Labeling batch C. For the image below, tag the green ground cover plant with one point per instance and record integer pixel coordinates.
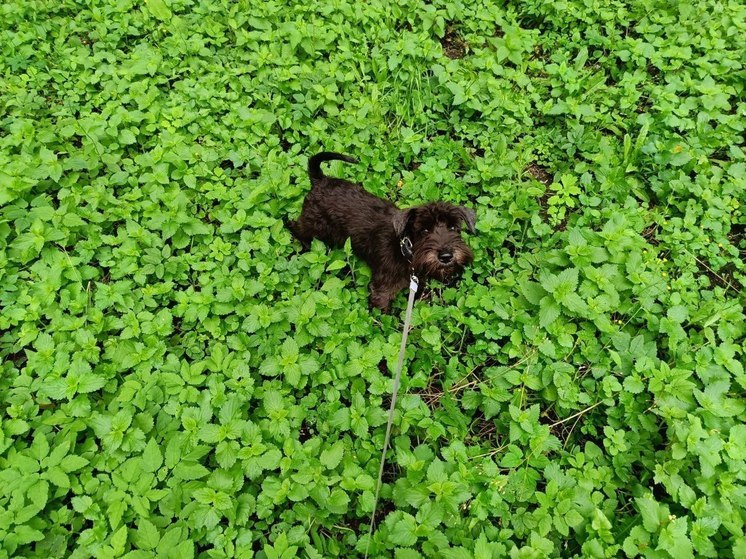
(179, 381)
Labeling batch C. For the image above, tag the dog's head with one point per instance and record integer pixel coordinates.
(434, 229)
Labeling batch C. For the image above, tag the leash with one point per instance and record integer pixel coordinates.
(413, 283)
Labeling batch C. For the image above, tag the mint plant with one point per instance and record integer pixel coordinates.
(178, 380)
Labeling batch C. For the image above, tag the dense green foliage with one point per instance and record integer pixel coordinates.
(179, 381)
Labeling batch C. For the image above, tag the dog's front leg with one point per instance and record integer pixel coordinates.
(383, 290)
(297, 231)
(422, 290)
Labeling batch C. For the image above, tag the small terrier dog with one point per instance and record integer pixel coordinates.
(423, 240)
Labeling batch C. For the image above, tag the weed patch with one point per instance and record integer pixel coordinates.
(178, 380)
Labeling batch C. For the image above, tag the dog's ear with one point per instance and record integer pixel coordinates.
(401, 220)
(469, 217)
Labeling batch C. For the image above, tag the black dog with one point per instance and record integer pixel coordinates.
(424, 240)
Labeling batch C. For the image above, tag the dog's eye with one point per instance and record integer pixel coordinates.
(453, 228)
(425, 231)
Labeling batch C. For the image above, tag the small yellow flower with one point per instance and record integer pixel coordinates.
(400, 183)
(664, 274)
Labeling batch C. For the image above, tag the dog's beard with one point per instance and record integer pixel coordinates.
(425, 261)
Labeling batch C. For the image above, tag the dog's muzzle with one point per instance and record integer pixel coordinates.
(445, 257)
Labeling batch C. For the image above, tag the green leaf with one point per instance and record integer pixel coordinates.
(119, 540)
(338, 501)
(210, 433)
(204, 495)
(81, 503)
(336, 265)
(562, 284)
(431, 335)
(736, 445)
(548, 312)
(90, 383)
(152, 459)
(147, 535)
(25, 535)
(482, 548)
(226, 454)
(678, 313)
(403, 532)
(38, 494)
(331, 457)
(138, 554)
(574, 303)
(512, 458)
(126, 136)
(406, 553)
(673, 539)
(533, 292)
(190, 470)
(649, 511)
(40, 447)
(634, 385)
(58, 477)
(458, 552)
(159, 9)
(56, 389)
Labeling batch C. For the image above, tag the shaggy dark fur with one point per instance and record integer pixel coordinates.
(337, 209)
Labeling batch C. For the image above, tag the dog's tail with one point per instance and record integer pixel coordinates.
(314, 163)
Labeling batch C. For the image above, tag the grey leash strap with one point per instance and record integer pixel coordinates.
(413, 283)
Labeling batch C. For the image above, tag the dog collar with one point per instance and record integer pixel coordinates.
(406, 247)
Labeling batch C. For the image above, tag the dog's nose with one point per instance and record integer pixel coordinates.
(445, 256)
